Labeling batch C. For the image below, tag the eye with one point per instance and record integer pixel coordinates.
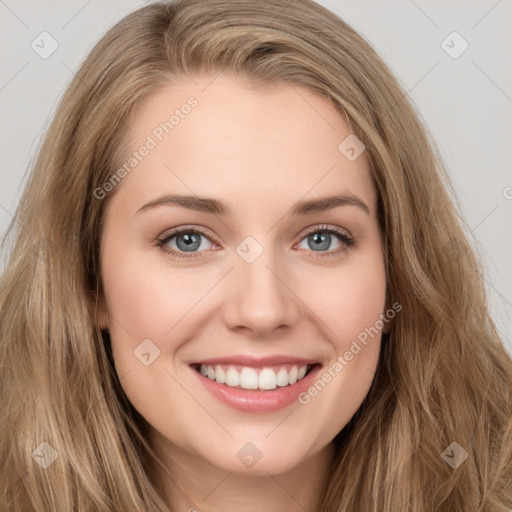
(320, 239)
(185, 240)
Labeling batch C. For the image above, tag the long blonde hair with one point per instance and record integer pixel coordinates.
(443, 374)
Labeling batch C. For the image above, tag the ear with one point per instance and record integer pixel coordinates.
(388, 326)
(390, 314)
(102, 316)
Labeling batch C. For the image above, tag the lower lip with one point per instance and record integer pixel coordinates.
(256, 401)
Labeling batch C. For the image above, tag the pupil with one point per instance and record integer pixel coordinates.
(321, 240)
(190, 241)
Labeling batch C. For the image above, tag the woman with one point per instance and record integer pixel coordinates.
(231, 289)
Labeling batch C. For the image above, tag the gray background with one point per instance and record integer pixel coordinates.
(466, 102)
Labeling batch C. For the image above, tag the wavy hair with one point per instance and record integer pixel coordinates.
(443, 375)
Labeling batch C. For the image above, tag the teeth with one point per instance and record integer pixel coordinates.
(232, 378)
(267, 379)
(220, 375)
(248, 378)
(282, 377)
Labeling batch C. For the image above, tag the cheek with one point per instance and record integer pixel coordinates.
(151, 301)
(146, 302)
(147, 299)
(348, 300)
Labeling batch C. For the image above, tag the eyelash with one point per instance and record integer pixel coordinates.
(345, 239)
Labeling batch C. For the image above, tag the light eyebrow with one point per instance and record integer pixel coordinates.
(323, 204)
(201, 204)
(214, 206)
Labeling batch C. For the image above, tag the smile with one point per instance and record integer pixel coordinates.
(246, 377)
(256, 385)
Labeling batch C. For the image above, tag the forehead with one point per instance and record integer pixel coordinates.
(218, 136)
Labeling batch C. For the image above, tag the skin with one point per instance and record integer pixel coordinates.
(260, 151)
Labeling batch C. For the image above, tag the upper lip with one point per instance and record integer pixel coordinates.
(256, 362)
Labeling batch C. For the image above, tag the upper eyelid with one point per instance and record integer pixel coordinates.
(179, 230)
(324, 227)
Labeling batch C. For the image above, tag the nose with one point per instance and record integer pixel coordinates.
(259, 298)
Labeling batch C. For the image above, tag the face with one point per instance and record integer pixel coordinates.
(234, 298)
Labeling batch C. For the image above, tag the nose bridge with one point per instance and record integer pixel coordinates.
(260, 298)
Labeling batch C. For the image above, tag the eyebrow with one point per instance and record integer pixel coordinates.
(214, 206)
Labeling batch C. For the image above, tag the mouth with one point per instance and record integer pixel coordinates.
(260, 387)
(265, 379)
